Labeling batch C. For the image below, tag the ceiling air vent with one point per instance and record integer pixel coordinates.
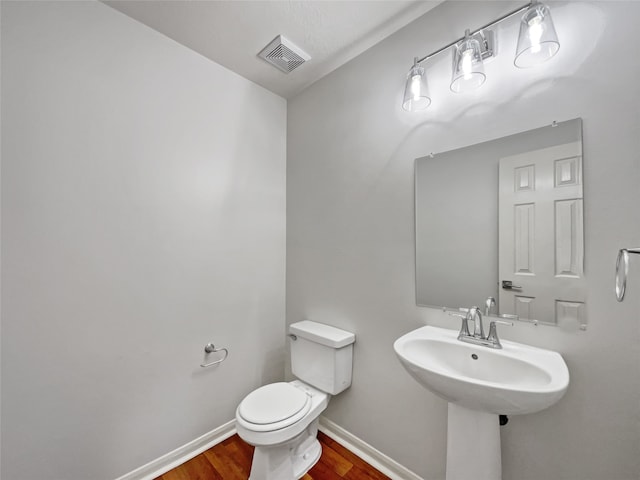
(283, 54)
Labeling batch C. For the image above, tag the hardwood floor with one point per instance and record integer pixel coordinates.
(231, 460)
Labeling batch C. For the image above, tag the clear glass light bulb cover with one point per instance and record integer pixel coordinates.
(468, 68)
(537, 41)
(416, 92)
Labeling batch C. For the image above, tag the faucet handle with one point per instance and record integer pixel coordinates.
(464, 327)
(492, 338)
(500, 322)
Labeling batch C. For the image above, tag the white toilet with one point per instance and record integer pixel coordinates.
(281, 419)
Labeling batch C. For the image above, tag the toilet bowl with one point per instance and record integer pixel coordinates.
(281, 419)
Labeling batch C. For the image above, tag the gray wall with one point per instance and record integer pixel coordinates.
(143, 215)
(350, 234)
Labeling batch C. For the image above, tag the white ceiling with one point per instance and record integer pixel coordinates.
(232, 32)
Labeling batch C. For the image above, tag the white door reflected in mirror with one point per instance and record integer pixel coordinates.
(541, 237)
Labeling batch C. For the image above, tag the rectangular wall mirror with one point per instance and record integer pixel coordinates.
(504, 219)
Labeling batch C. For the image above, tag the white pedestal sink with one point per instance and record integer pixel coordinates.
(480, 383)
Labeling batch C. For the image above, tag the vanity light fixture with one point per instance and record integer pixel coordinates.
(537, 43)
(416, 91)
(468, 68)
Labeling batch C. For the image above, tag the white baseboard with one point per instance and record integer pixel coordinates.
(161, 465)
(180, 455)
(366, 452)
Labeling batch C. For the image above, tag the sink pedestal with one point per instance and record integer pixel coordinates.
(473, 445)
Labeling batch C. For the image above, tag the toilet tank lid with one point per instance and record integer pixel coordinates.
(322, 334)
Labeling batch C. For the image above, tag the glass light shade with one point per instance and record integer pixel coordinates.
(468, 68)
(537, 41)
(416, 91)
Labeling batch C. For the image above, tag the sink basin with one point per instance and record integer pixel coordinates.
(514, 380)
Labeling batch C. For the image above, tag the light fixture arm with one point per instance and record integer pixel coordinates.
(418, 61)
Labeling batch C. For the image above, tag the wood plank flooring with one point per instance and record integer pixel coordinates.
(231, 460)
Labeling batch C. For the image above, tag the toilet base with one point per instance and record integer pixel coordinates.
(290, 460)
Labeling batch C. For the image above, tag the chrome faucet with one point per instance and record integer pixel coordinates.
(478, 337)
(476, 317)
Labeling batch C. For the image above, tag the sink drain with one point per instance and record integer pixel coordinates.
(474, 356)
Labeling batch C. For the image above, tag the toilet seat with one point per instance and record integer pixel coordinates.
(273, 407)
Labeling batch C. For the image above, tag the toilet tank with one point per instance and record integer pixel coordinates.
(322, 355)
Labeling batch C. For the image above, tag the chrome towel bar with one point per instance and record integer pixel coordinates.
(211, 348)
(622, 271)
